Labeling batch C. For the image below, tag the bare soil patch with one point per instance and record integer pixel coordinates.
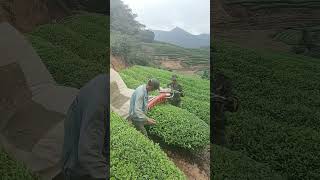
(193, 167)
(171, 64)
(117, 63)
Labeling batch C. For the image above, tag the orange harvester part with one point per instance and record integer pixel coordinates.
(157, 100)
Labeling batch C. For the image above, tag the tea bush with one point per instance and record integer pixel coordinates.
(178, 127)
(278, 121)
(133, 156)
(227, 164)
(196, 90)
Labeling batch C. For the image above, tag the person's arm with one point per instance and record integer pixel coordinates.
(138, 112)
(92, 143)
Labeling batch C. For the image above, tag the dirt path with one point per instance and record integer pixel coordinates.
(195, 165)
(191, 169)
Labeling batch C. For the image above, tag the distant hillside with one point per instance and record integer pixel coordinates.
(182, 38)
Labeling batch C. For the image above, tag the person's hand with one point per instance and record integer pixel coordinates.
(151, 121)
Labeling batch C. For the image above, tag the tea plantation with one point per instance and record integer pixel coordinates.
(133, 156)
(278, 120)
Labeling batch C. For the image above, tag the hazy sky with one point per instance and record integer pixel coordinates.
(191, 15)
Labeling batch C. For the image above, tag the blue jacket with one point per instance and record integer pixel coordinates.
(138, 104)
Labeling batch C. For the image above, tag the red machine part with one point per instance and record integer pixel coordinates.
(157, 100)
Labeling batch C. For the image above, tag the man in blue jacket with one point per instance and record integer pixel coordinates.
(138, 105)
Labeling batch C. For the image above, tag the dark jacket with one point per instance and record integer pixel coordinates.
(176, 86)
(86, 131)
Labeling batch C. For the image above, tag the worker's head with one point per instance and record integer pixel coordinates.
(153, 84)
(174, 78)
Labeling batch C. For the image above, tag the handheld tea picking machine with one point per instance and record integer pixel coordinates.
(165, 94)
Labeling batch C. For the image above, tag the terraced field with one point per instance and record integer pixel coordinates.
(74, 50)
(293, 36)
(278, 121)
(135, 157)
(264, 4)
(190, 57)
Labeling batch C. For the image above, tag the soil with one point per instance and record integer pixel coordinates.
(190, 168)
(195, 165)
(171, 64)
(117, 63)
(178, 66)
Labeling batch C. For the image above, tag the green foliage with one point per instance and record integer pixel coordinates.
(179, 128)
(122, 19)
(191, 57)
(278, 121)
(146, 36)
(13, 170)
(91, 26)
(226, 164)
(205, 75)
(133, 156)
(129, 48)
(199, 108)
(138, 58)
(97, 6)
(196, 89)
(59, 35)
(121, 44)
(69, 50)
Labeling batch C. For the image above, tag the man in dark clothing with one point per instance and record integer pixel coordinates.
(223, 101)
(177, 91)
(86, 141)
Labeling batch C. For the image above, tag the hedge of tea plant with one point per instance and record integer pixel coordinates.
(66, 67)
(60, 35)
(179, 127)
(69, 50)
(13, 170)
(133, 156)
(199, 108)
(91, 26)
(196, 90)
(227, 164)
(193, 86)
(278, 121)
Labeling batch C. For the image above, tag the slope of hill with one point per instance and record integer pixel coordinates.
(278, 121)
(177, 58)
(261, 14)
(182, 38)
(254, 23)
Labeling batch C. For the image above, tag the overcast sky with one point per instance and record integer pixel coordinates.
(190, 15)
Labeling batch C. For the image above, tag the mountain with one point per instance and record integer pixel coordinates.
(182, 38)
